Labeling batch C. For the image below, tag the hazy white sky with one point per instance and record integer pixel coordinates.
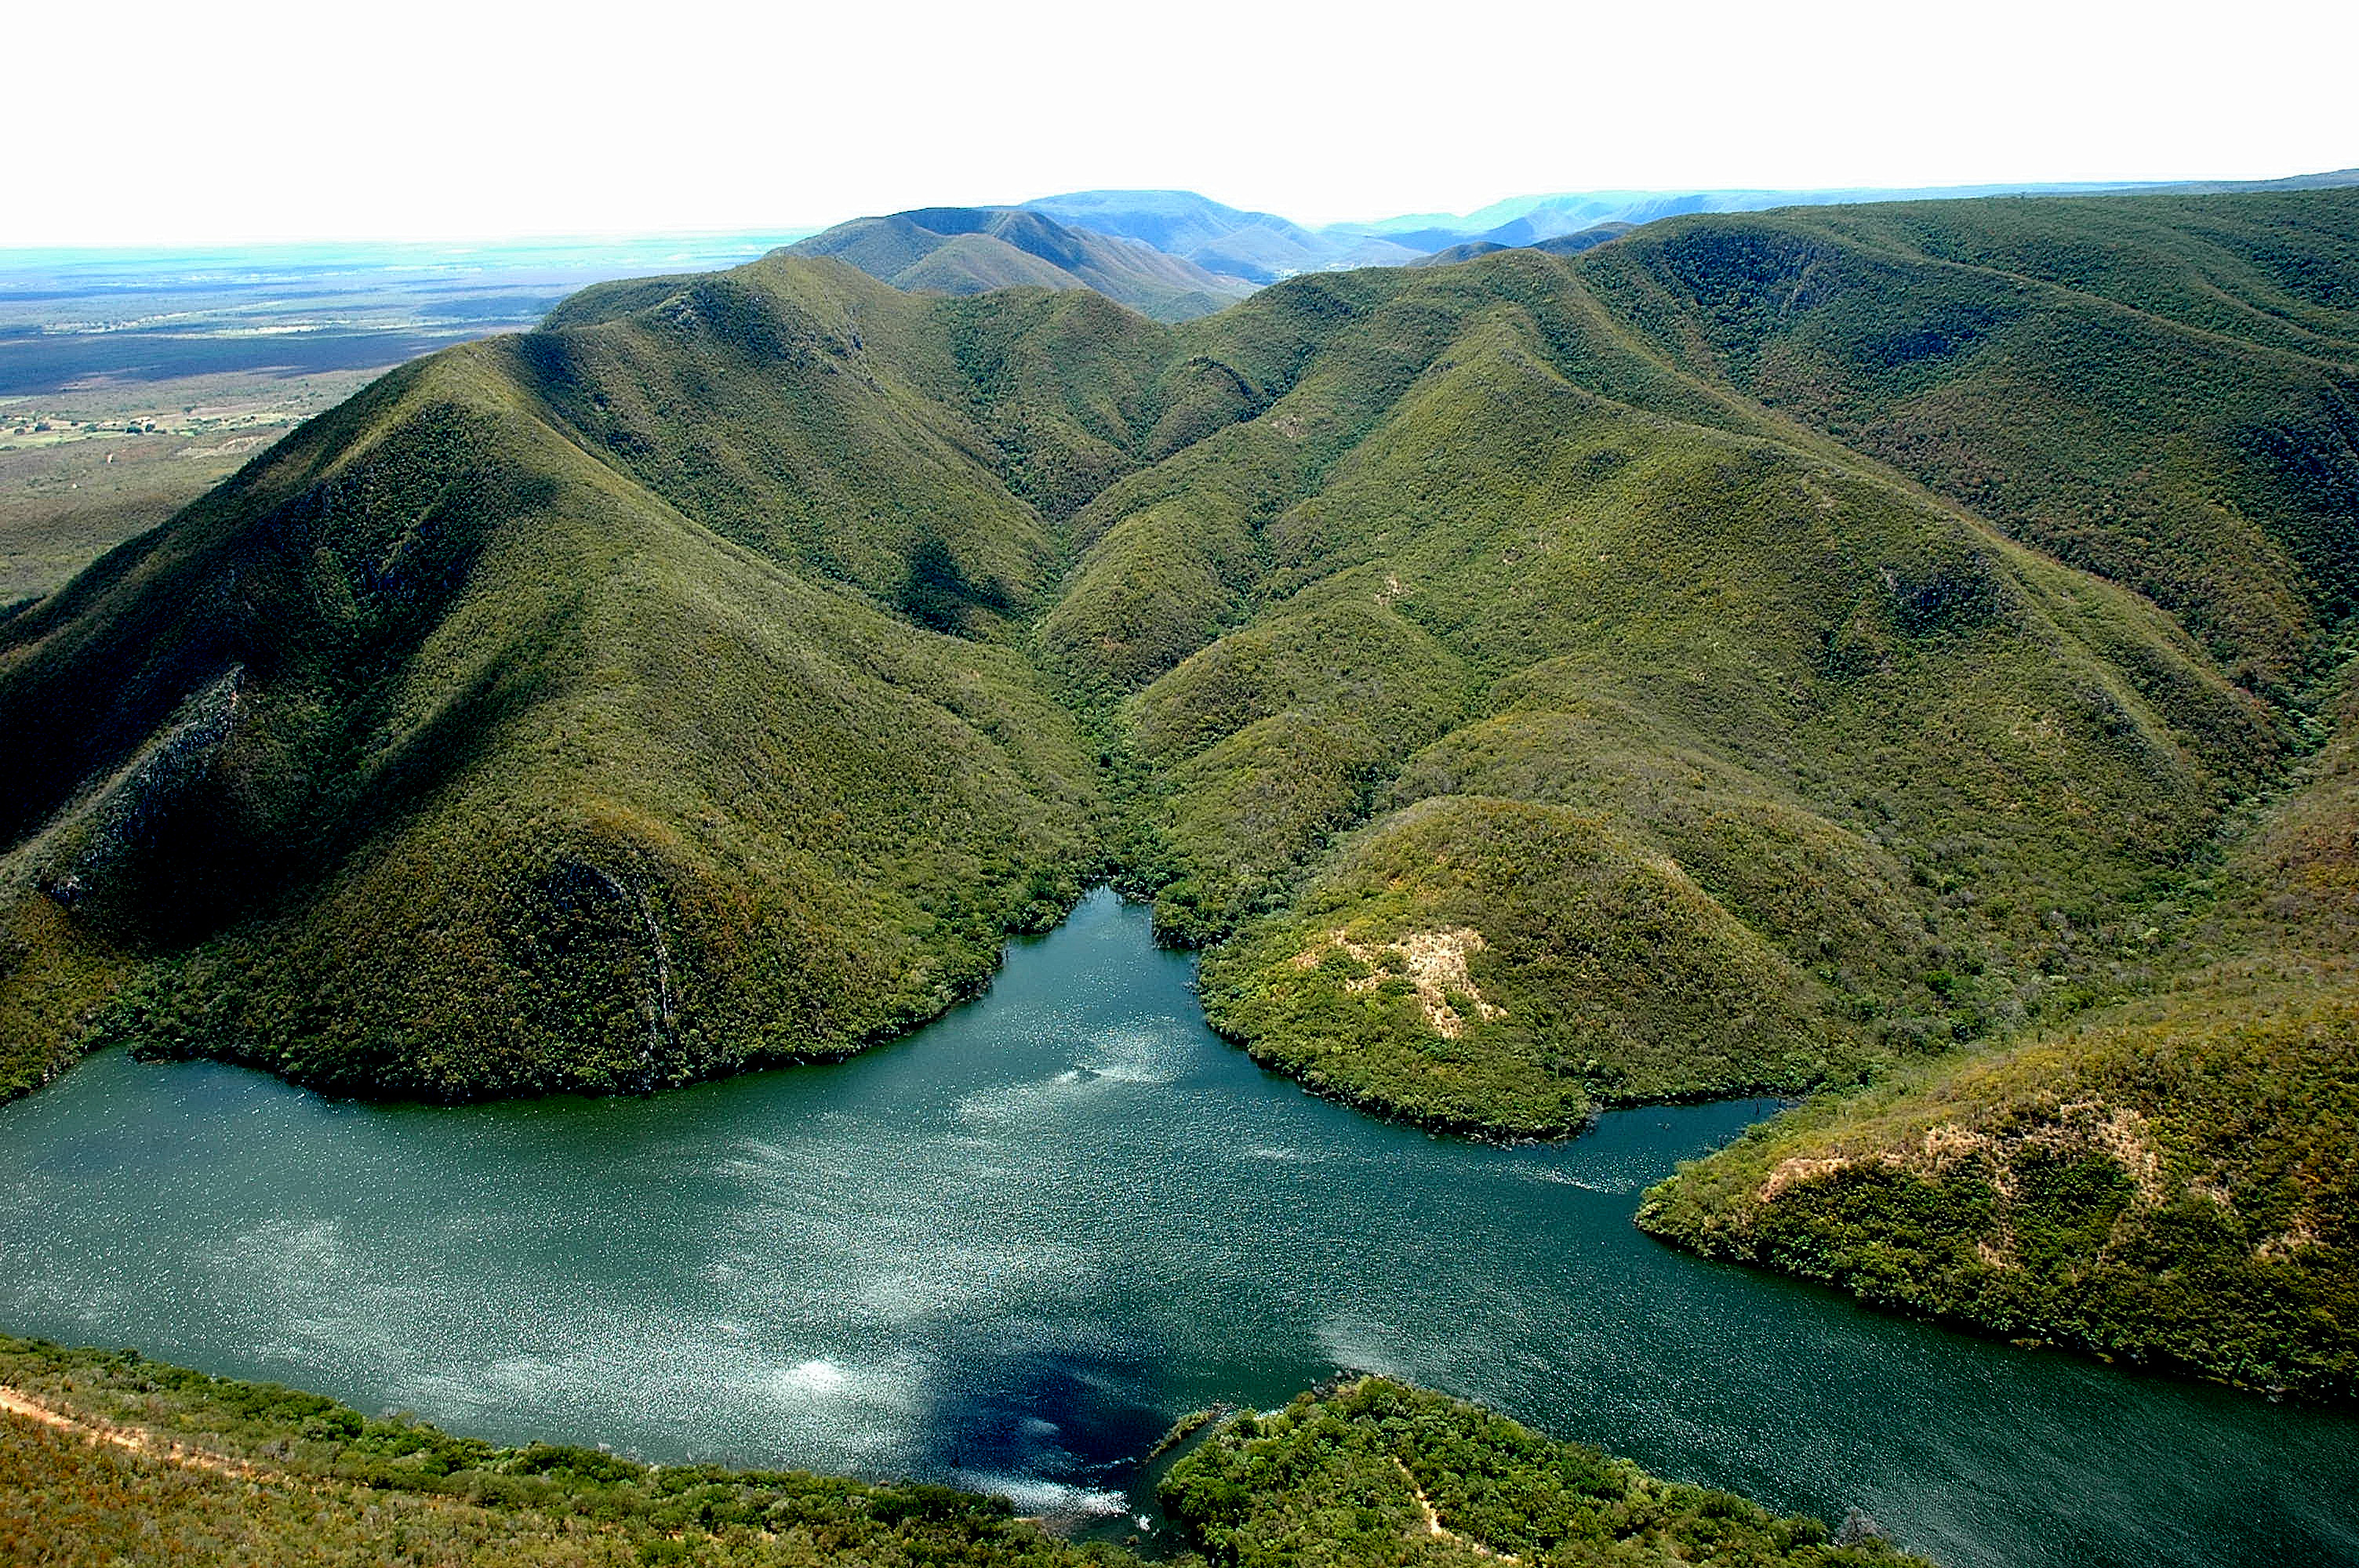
(256, 119)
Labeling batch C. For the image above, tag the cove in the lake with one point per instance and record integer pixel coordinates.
(1009, 1249)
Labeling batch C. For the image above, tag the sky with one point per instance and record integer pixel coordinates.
(137, 123)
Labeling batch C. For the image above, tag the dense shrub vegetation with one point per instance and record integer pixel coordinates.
(1763, 651)
(2159, 391)
(1892, 781)
(252, 1474)
(437, 754)
(1376, 1471)
(206, 1470)
(2174, 1179)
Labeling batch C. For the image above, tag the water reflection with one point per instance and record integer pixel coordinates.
(1011, 1248)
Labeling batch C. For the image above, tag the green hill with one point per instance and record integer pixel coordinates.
(2170, 1179)
(1765, 771)
(1374, 1471)
(2159, 389)
(598, 709)
(972, 250)
(1746, 766)
(1720, 659)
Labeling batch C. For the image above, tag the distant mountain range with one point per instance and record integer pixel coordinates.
(971, 250)
(1175, 255)
(1259, 246)
(1523, 220)
(1571, 244)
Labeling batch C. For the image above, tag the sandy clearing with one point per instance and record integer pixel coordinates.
(1440, 1532)
(136, 1440)
(1434, 962)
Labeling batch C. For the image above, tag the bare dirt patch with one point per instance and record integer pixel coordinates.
(1433, 961)
(133, 1439)
(1440, 1532)
(2076, 1127)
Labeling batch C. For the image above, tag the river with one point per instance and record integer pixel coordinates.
(1010, 1248)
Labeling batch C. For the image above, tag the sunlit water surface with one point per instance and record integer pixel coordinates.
(1009, 1249)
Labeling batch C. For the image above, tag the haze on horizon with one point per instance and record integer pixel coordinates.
(262, 120)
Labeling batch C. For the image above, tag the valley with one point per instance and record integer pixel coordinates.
(1894, 655)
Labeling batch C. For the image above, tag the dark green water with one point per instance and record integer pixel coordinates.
(1009, 1249)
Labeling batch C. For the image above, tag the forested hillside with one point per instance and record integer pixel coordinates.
(1374, 1471)
(1760, 652)
(2174, 1179)
(573, 711)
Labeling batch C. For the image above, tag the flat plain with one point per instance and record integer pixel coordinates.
(134, 381)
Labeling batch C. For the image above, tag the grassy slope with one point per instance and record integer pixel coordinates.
(1506, 666)
(2163, 392)
(307, 1480)
(1748, 767)
(2160, 391)
(443, 755)
(1376, 1471)
(2172, 1179)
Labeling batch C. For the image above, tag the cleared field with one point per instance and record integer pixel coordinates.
(131, 382)
(82, 471)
